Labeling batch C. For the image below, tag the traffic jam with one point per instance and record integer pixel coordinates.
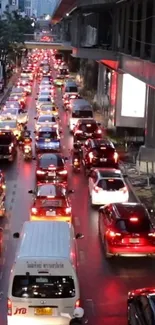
(44, 285)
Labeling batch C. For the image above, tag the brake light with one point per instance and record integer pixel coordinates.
(78, 132)
(115, 157)
(151, 234)
(34, 210)
(9, 307)
(63, 172)
(113, 234)
(99, 131)
(68, 210)
(10, 147)
(133, 219)
(40, 172)
(77, 304)
(91, 156)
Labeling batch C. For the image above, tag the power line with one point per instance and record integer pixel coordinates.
(140, 20)
(146, 43)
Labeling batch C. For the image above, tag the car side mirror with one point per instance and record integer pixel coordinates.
(30, 192)
(125, 175)
(16, 235)
(36, 98)
(34, 132)
(101, 208)
(34, 158)
(60, 132)
(66, 158)
(99, 124)
(79, 235)
(35, 118)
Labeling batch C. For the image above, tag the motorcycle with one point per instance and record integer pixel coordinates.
(76, 165)
(27, 152)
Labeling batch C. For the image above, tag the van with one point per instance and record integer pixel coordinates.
(70, 88)
(43, 281)
(79, 108)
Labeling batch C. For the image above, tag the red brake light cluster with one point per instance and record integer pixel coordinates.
(9, 307)
(133, 219)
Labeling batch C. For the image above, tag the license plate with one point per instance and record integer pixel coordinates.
(50, 213)
(47, 140)
(103, 159)
(43, 311)
(134, 240)
(51, 174)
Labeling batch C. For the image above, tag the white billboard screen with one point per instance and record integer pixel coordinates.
(133, 97)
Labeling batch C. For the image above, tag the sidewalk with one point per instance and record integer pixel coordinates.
(9, 86)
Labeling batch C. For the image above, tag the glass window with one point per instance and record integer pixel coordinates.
(48, 135)
(47, 160)
(142, 225)
(45, 118)
(82, 114)
(43, 287)
(110, 184)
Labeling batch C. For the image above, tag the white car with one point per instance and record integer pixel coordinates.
(15, 114)
(107, 185)
(43, 99)
(46, 120)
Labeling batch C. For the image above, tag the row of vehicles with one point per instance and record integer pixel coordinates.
(44, 284)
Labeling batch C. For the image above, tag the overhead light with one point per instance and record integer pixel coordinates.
(67, 14)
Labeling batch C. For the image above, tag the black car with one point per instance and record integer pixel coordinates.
(47, 139)
(51, 167)
(8, 145)
(99, 153)
(141, 307)
(87, 128)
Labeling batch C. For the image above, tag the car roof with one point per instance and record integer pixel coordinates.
(47, 129)
(55, 190)
(108, 171)
(46, 116)
(86, 120)
(101, 143)
(126, 210)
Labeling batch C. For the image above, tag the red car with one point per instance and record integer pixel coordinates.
(125, 229)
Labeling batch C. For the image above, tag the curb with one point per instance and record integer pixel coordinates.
(129, 182)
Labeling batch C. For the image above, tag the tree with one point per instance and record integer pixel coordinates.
(12, 36)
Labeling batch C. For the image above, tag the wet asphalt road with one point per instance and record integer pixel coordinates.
(104, 284)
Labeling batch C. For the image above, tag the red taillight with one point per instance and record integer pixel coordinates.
(99, 131)
(9, 307)
(151, 234)
(63, 172)
(40, 172)
(68, 210)
(116, 157)
(91, 156)
(34, 210)
(79, 132)
(113, 234)
(77, 304)
(133, 219)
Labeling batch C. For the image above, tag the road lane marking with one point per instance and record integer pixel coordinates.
(82, 257)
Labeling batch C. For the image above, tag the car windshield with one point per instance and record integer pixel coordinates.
(48, 108)
(89, 127)
(8, 124)
(45, 93)
(51, 160)
(5, 138)
(63, 72)
(11, 111)
(48, 135)
(35, 287)
(110, 184)
(44, 99)
(71, 90)
(82, 114)
(46, 118)
(142, 225)
(55, 203)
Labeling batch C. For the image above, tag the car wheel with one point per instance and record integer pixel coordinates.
(107, 256)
